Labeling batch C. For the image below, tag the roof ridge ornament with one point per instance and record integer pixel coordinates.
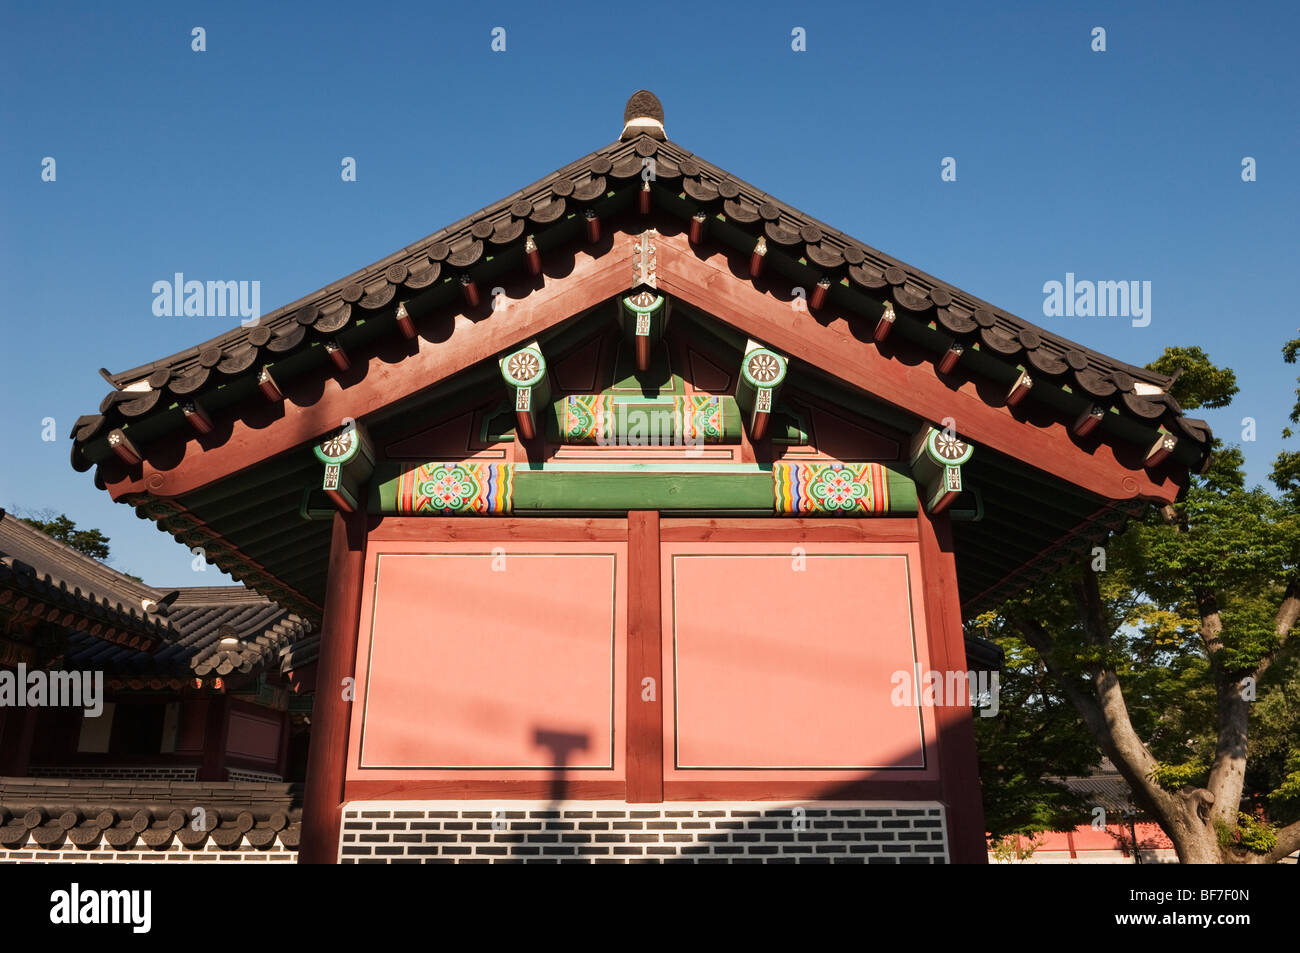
(643, 115)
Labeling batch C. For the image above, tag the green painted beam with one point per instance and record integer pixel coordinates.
(622, 486)
(542, 490)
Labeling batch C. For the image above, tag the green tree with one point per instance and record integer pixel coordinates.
(1168, 655)
(1036, 736)
(90, 542)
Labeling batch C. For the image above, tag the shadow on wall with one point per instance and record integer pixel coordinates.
(810, 832)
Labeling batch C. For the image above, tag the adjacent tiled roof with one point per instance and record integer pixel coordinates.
(300, 654)
(1105, 787)
(684, 184)
(983, 654)
(182, 629)
(48, 813)
(66, 581)
(202, 618)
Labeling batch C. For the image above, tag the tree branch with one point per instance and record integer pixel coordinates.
(1106, 717)
(1287, 614)
(1288, 842)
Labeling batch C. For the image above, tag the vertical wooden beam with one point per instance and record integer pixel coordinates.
(17, 730)
(327, 755)
(282, 760)
(645, 722)
(216, 727)
(959, 778)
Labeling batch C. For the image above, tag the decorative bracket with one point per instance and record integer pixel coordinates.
(644, 262)
(936, 458)
(762, 372)
(525, 373)
(644, 316)
(349, 459)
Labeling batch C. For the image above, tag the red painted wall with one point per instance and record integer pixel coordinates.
(504, 664)
(780, 656)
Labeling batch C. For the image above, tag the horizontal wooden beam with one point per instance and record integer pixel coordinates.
(684, 488)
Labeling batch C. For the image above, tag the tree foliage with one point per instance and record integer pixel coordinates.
(1177, 659)
(89, 542)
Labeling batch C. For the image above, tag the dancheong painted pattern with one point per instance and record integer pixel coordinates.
(456, 488)
(837, 488)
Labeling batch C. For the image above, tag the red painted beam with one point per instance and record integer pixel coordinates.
(959, 779)
(645, 707)
(322, 809)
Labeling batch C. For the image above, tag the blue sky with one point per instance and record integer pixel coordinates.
(1122, 165)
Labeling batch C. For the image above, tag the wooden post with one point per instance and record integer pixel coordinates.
(322, 809)
(282, 760)
(17, 730)
(959, 780)
(216, 725)
(645, 740)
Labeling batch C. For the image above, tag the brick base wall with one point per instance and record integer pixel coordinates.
(278, 853)
(616, 832)
(244, 774)
(121, 772)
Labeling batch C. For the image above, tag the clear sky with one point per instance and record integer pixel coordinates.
(225, 165)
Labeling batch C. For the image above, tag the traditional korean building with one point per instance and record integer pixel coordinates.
(140, 722)
(624, 504)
